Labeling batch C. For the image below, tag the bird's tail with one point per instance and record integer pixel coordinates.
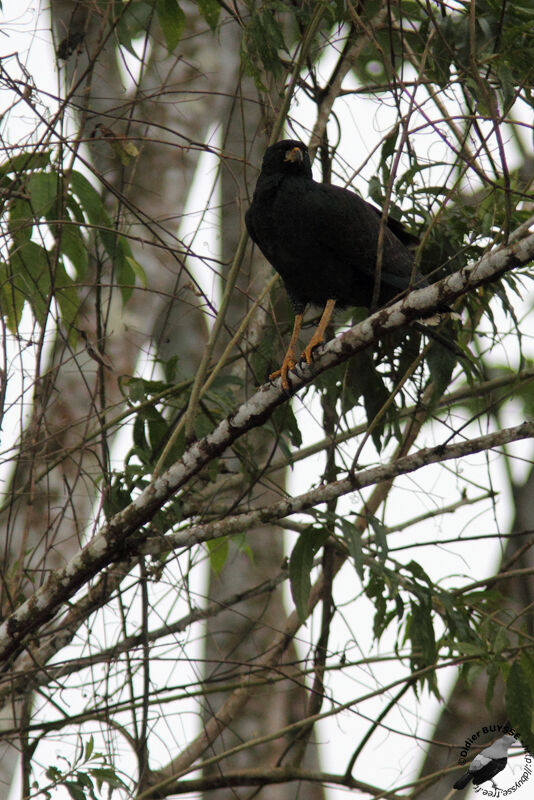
(462, 782)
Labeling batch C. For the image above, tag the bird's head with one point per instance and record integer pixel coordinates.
(508, 739)
(289, 157)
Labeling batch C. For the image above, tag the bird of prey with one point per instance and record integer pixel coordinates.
(323, 242)
(488, 763)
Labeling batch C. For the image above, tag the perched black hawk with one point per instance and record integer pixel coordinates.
(323, 241)
(488, 763)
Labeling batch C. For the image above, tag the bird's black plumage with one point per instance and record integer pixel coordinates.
(322, 240)
(488, 763)
(485, 773)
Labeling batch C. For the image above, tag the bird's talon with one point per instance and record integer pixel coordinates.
(288, 366)
(307, 353)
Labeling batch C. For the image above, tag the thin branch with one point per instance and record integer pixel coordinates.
(29, 671)
(343, 67)
(171, 776)
(322, 494)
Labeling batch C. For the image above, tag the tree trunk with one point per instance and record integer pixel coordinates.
(240, 635)
(70, 402)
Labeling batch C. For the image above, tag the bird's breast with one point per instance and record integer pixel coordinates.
(279, 228)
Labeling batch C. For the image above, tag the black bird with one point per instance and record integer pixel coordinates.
(323, 242)
(488, 763)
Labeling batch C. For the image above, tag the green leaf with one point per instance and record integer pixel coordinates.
(157, 426)
(441, 363)
(380, 536)
(376, 591)
(75, 790)
(202, 426)
(134, 19)
(89, 748)
(241, 542)
(418, 572)
(74, 207)
(213, 469)
(124, 270)
(250, 68)
(388, 148)
(20, 220)
(420, 631)
(499, 639)
(374, 391)
(137, 389)
(458, 620)
(468, 648)
(68, 301)
(117, 498)
(375, 190)
(138, 433)
(31, 269)
(53, 774)
(353, 538)
(115, 245)
(218, 552)
(107, 775)
(140, 389)
(89, 198)
(24, 162)
(84, 780)
(210, 10)
(263, 39)
(170, 369)
(399, 606)
(12, 298)
(137, 270)
(300, 567)
(350, 386)
(493, 670)
(172, 21)
(527, 665)
(73, 245)
(43, 188)
(285, 422)
(178, 448)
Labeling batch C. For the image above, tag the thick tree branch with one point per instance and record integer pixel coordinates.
(122, 535)
(266, 777)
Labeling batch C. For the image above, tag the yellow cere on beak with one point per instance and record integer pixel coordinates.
(295, 154)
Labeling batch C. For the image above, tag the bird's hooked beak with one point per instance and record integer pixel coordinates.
(295, 155)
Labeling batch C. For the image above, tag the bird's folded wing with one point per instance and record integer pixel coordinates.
(479, 762)
(348, 227)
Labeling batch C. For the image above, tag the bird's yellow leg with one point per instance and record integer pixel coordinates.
(318, 336)
(290, 358)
